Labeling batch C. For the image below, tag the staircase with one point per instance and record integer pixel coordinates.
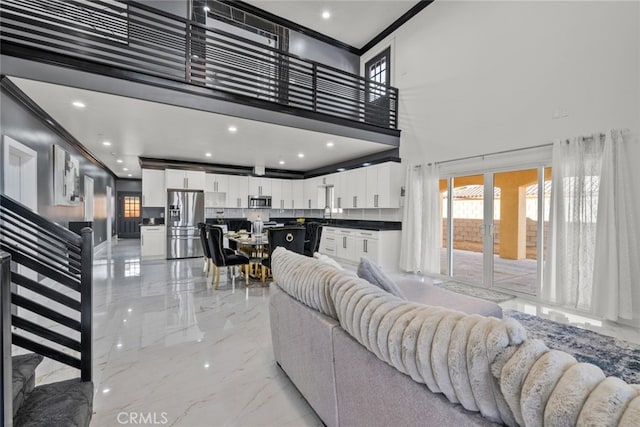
(45, 301)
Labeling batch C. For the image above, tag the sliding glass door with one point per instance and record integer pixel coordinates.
(494, 227)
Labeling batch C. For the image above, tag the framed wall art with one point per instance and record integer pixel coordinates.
(66, 177)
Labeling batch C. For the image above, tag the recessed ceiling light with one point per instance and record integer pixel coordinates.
(129, 175)
(125, 169)
(106, 390)
(301, 155)
(106, 143)
(341, 169)
(206, 365)
(326, 14)
(281, 162)
(366, 164)
(206, 8)
(233, 129)
(330, 144)
(119, 160)
(78, 104)
(207, 154)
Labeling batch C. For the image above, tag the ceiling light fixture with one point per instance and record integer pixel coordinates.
(207, 154)
(233, 129)
(129, 175)
(330, 144)
(366, 164)
(281, 162)
(78, 104)
(341, 169)
(106, 143)
(206, 8)
(119, 161)
(326, 14)
(301, 155)
(125, 169)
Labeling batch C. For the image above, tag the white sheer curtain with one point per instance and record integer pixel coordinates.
(592, 240)
(616, 277)
(421, 226)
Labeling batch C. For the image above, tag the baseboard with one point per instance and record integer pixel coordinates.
(100, 247)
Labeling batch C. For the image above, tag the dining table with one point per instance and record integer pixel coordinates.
(256, 248)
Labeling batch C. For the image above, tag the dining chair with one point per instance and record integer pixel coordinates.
(312, 237)
(202, 228)
(291, 238)
(224, 257)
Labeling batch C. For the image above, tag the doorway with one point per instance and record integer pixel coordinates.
(20, 172)
(129, 214)
(495, 228)
(377, 101)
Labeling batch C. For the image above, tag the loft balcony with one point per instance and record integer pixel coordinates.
(134, 42)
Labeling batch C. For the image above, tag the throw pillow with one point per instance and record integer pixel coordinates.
(370, 272)
(327, 260)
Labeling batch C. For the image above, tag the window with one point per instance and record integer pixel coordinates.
(378, 72)
(131, 206)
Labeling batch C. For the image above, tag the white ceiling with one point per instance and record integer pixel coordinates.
(139, 128)
(354, 22)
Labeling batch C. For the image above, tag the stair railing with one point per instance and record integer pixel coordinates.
(52, 317)
(5, 337)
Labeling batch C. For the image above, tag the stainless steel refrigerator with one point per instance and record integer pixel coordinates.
(185, 209)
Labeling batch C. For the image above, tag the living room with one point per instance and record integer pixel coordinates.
(484, 89)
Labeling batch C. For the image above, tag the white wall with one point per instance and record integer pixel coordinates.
(477, 77)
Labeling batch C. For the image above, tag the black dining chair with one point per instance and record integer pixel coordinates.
(221, 257)
(312, 237)
(291, 238)
(206, 253)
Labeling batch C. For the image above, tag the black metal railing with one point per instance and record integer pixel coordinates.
(6, 372)
(136, 37)
(51, 317)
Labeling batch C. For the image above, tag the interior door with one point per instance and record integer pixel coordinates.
(129, 215)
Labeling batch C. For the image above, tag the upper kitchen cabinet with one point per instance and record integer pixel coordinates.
(384, 182)
(184, 180)
(355, 184)
(280, 193)
(238, 194)
(154, 193)
(259, 186)
(314, 193)
(297, 194)
(216, 183)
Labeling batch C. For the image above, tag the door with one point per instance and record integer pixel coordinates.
(494, 228)
(129, 215)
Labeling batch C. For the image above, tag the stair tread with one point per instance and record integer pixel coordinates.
(64, 403)
(23, 377)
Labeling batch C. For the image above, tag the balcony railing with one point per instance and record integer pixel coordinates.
(136, 37)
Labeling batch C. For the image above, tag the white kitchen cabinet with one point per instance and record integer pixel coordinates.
(286, 194)
(184, 180)
(277, 202)
(259, 186)
(339, 189)
(216, 183)
(297, 194)
(383, 185)
(355, 188)
(154, 193)
(314, 193)
(349, 245)
(238, 194)
(153, 241)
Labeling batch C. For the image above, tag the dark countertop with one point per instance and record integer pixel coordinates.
(358, 224)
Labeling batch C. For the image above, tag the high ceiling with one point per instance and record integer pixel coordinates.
(136, 128)
(354, 22)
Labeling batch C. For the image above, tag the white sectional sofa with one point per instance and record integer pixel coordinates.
(362, 357)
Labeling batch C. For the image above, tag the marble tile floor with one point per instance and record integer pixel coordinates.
(168, 346)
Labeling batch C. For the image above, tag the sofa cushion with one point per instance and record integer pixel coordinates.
(373, 274)
(417, 291)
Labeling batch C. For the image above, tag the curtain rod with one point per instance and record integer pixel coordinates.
(491, 154)
(602, 135)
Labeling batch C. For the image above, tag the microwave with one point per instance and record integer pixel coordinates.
(260, 202)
